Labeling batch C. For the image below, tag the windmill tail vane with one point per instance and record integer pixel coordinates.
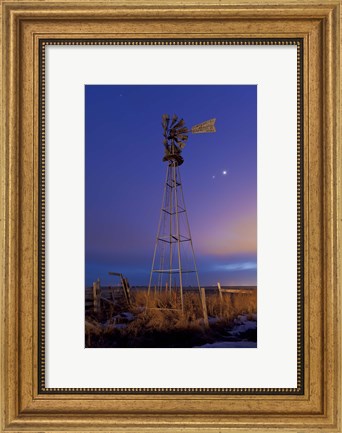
(208, 126)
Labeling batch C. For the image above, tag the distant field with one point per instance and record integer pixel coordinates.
(207, 288)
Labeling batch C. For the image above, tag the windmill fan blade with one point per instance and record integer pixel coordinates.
(208, 126)
(179, 124)
(181, 130)
(181, 144)
(174, 120)
(165, 121)
(181, 137)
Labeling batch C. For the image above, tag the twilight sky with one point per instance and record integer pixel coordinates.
(124, 176)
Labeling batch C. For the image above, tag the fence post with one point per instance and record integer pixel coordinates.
(221, 297)
(204, 307)
(220, 292)
(97, 296)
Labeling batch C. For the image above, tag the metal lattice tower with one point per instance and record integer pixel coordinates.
(174, 265)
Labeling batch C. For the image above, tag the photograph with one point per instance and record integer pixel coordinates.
(170, 216)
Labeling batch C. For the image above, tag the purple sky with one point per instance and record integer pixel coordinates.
(124, 179)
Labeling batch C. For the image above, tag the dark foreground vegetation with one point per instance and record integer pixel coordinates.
(136, 326)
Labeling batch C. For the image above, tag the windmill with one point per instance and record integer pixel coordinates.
(174, 264)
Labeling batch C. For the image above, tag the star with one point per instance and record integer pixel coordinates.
(224, 172)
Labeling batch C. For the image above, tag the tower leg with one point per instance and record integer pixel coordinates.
(178, 236)
(156, 243)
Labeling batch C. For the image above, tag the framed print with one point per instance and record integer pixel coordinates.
(170, 183)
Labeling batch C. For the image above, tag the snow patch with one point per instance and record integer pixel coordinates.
(229, 345)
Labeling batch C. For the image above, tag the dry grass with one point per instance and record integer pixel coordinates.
(163, 324)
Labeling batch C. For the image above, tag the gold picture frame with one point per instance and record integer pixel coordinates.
(27, 25)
